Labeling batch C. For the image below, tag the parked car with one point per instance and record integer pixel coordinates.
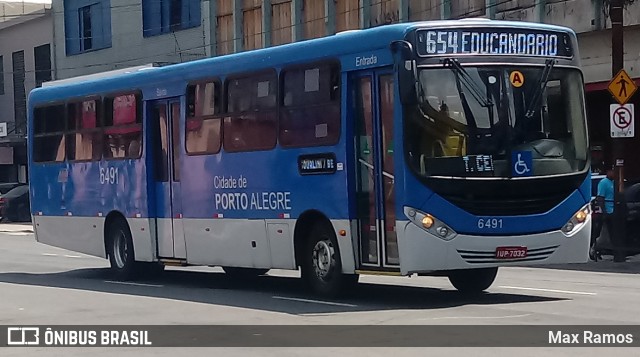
(8, 186)
(14, 205)
(632, 199)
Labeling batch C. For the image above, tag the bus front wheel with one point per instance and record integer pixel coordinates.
(120, 250)
(321, 266)
(470, 281)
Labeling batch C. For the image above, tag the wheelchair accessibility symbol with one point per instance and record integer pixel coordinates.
(522, 163)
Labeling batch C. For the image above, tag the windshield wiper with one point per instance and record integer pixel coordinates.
(540, 87)
(468, 82)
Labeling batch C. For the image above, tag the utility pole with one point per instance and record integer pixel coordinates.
(617, 64)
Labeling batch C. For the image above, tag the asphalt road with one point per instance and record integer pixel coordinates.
(45, 285)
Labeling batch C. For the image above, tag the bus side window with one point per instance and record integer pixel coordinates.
(251, 120)
(311, 106)
(202, 131)
(123, 127)
(49, 126)
(84, 138)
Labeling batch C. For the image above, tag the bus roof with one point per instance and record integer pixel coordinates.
(343, 43)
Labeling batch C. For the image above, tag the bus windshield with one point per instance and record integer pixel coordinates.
(473, 121)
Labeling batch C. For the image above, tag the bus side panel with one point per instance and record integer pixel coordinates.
(227, 242)
(238, 196)
(345, 244)
(78, 234)
(143, 243)
(69, 199)
(280, 235)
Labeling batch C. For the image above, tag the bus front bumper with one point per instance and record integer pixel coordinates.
(422, 252)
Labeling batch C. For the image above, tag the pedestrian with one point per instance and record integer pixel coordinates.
(604, 201)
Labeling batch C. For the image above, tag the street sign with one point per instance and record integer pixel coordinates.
(3, 129)
(622, 87)
(622, 125)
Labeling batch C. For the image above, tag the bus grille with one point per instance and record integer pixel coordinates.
(506, 207)
(483, 257)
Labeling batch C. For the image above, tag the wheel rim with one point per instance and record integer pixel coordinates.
(323, 259)
(120, 249)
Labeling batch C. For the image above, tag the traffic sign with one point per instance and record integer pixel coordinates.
(622, 123)
(622, 87)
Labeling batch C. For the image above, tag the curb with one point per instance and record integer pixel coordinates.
(15, 228)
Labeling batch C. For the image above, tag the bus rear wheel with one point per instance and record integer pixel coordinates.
(321, 265)
(120, 250)
(244, 273)
(473, 281)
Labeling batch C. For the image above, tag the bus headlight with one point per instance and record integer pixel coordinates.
(430, 223)
(577, 221)
(427, 221)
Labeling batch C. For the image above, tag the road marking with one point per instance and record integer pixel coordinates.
(50, 254)
(72, 256)
(475, 317)
(130, 283)
(548, 290)
(314, 301)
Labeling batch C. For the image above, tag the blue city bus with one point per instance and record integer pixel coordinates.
(445, 148)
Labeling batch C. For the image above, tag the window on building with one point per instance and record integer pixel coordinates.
(42, 58)
(251, 122)
(84, 20)
(203, 128)
(165, 16)
(19, 93)
(49, 139)
(87, 25)
(1, 75)
(310, 114)
(122, 136)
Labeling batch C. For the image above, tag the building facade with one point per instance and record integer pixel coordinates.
(100, 35)
(25, 63)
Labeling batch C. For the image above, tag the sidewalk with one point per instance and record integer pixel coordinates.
(16, 227)
(606, 265)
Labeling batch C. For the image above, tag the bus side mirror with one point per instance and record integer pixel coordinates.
(408, 82)
(405, 66)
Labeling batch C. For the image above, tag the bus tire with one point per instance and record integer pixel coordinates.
(473, 281)
(120, 250)
(244, 273)
(321, 263)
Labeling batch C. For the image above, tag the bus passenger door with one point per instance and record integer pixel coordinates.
(165, 122)
(373, 96)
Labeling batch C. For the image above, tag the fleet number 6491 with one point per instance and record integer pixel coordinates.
(489, 223)
(109, 175)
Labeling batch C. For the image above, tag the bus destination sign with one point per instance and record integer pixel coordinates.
(493, 41)
(324, 163)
